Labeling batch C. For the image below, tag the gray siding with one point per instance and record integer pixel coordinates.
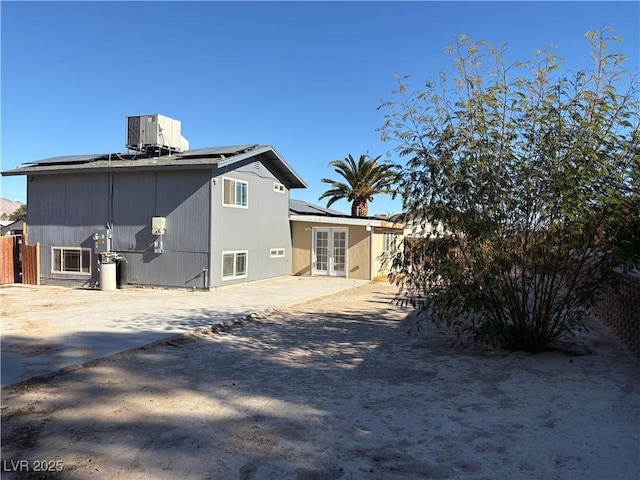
(260, 227)
(180, 196)
(64, 211)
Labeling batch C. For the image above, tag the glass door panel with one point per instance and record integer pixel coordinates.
(321, 252)
(339, 253)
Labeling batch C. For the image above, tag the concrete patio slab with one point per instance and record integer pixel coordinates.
(46, 328)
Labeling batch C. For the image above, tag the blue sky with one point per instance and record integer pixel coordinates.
(305, 77)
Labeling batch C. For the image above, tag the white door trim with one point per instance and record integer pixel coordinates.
(327, 265)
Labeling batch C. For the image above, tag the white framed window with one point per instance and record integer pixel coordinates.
(234, 264)
(276, 252)
(278, 187)
(234, 193)
(71, 260)
(389, 241)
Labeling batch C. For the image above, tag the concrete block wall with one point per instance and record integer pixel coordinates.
(620, 311)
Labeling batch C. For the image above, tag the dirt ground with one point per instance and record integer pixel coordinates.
(12, 308)
(333, 388)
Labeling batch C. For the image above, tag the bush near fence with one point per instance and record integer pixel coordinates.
(619, 309)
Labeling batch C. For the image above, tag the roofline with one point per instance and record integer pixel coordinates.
(74, 168)
(260, 151)
(284, 162)
(370, 222)
(242, 156)
(292, 177)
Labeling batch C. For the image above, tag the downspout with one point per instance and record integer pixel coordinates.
(371, 260)
(110, 200)
(207, 279)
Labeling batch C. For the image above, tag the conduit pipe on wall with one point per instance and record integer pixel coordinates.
(371, 260)
(212, 191)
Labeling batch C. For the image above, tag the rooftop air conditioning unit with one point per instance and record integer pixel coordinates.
(155, 132)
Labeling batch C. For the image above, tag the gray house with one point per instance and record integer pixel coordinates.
(192, 218)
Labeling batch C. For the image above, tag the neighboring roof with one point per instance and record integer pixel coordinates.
(214, 156)
(9, 226)
(306, 208)
(302, 211)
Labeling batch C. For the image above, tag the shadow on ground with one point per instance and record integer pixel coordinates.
(333, 388)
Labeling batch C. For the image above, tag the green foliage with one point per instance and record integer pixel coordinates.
(531, 175)
(364, 179)
(18, 214)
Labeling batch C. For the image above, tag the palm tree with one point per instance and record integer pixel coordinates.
(364, 180)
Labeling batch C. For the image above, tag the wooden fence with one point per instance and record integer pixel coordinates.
(11, 248)
(7, 262)
(31, 264)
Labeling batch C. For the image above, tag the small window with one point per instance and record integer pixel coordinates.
(389, 242)
(234, 265)
(276, 252)
(235, 193)
(71, 260)
(278, 187)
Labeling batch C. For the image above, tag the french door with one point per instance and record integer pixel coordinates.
(330, 252)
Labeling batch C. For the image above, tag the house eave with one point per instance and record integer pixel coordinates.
(103, 163)
(292, 178)
(98, 168)
(365, 222)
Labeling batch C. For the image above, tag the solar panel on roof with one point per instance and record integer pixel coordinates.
(229, 150)
(303, 207)
(227, 156)
(68, 159)
(201, 152)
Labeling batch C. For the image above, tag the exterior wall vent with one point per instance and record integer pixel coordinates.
(155, 133)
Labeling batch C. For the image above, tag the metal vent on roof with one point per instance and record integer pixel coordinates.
(155, 133)
(133, 131)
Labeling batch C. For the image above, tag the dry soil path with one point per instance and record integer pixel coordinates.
(333, 388)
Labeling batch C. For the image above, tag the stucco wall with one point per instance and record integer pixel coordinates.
(301, 238)
(358, 255)
(380, 256)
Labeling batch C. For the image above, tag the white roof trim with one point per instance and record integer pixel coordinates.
(336, 220)
(242, 156)
(257, 151)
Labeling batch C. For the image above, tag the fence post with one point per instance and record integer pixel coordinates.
(37, 263)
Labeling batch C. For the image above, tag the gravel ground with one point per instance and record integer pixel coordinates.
(333, 388)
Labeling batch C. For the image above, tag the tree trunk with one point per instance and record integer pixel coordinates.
(359, 209)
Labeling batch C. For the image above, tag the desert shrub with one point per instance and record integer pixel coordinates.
(521, 184)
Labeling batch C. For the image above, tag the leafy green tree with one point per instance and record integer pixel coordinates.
(19, 213)
(522, 182)
(364, 179)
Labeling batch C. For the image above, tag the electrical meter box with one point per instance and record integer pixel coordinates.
(102, 241)
(158, 225)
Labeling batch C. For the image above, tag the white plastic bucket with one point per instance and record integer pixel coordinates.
(108, 276)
